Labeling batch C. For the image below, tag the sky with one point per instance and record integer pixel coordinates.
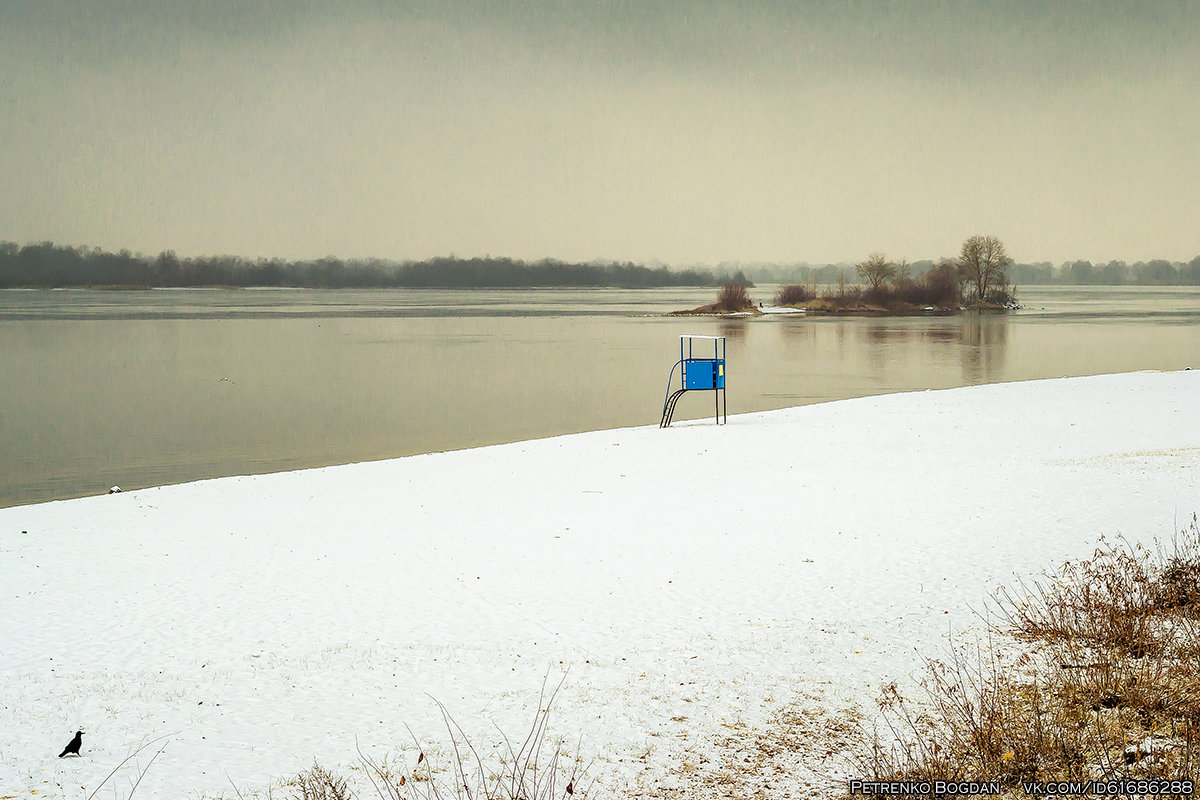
(686, 133)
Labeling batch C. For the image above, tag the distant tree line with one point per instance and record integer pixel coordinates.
(1158, 272)
(47, 265)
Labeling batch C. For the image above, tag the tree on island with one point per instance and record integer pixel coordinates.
(876, 270)
(983, 265)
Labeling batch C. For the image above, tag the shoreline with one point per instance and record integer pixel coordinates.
(127, 487)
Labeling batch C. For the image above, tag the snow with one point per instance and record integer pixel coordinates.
(685, 581)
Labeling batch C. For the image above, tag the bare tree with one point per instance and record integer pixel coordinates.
(876, 269)
(983, 265)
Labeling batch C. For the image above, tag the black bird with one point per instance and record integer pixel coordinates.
(73, 746)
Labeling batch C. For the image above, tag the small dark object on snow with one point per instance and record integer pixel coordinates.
(114, 490)
(73, 747)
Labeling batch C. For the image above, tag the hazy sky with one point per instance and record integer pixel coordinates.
(685, 132)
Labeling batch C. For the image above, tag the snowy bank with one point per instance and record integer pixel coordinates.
(686, 578)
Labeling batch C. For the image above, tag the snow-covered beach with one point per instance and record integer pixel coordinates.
(685, 580)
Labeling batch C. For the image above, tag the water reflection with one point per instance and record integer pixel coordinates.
(798, 329)
(732, 329)
(979, 340)
(884, 333)
(945, 333)
(984, 337)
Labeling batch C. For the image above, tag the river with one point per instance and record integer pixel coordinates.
(141, 388)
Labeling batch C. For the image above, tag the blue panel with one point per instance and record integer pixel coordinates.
(720, 374)
(701, 373)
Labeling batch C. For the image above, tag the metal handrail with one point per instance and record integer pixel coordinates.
(670, 377)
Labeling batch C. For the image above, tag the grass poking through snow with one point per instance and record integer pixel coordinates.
(1092, 673)
(536, 767)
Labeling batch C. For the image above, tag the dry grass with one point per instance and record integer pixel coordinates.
(319, 783)
(733, 297)
(937, 289)
(794, 294)
(798, 754)
(538, 768)
(1093, 673)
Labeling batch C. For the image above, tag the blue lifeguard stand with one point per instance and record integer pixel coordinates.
(697, 373)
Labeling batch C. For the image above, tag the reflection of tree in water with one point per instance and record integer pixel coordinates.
(798, 333)
(882, 338)
(732, 329)
(885, 333)
(979, 340)
(943, 332)
(984, 337)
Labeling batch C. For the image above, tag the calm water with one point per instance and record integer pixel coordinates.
(145, 388)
